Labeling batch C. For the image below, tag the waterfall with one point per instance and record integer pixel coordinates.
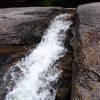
(38, 70)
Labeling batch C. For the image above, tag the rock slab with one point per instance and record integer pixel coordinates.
(86, 68)
(25, 25)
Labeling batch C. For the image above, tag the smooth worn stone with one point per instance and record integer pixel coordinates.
(25, 25)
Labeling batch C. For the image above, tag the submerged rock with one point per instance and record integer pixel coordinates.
(86, 68)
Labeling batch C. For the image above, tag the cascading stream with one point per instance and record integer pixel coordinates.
(37, 69)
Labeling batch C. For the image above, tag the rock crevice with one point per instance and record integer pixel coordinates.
(20, 30)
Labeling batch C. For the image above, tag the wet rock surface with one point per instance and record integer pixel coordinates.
(21, 30)
(65, 64)
(86, 67)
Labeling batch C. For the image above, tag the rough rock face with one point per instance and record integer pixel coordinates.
(86, 68)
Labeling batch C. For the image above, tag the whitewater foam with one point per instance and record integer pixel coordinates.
(38, 70)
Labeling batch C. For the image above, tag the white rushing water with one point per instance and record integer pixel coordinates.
(38, 69)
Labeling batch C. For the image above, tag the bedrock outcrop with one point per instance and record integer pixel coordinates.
(21, 29)
(86, 67)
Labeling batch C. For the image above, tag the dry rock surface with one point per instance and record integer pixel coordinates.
(19, 24)
(86, 68)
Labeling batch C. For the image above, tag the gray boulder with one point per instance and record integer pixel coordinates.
(86, 68)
